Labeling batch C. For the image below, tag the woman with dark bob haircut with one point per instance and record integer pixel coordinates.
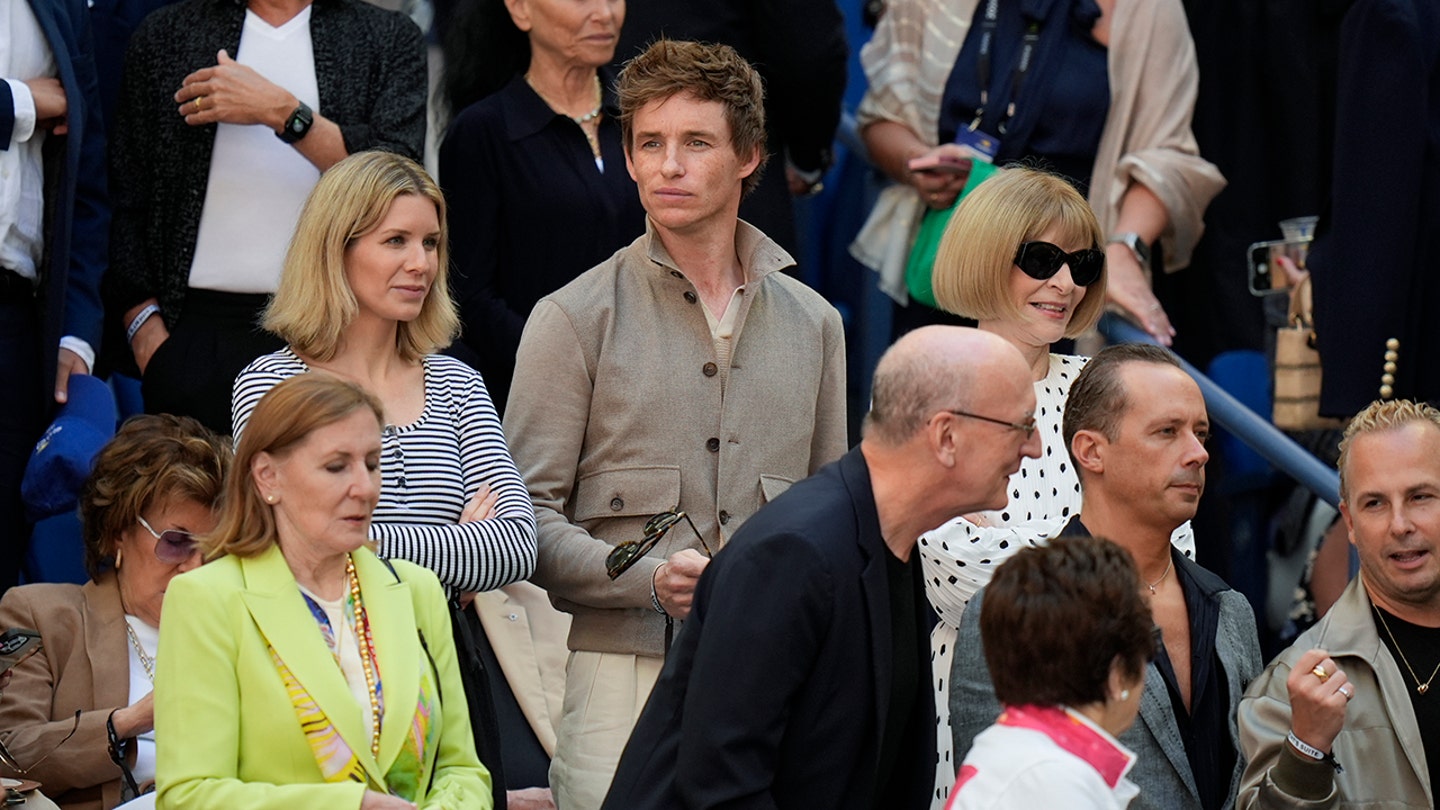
(1067, 637)
(150, 492)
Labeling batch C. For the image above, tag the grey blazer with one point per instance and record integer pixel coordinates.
(1162, 770)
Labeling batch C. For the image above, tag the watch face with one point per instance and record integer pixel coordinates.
(297, 126)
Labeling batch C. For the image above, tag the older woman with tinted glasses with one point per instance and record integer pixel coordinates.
(151, 490)
(1022, 256)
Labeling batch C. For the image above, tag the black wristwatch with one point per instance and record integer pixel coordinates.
(297, 125)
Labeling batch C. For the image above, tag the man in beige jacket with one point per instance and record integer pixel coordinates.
(1344, 717)
(686, 373)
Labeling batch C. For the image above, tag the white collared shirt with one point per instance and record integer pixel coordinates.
(25, 54)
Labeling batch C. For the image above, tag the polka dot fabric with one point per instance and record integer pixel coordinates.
(959, 557)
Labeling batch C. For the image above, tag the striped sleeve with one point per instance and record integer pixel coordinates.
(433, 467)
(255, 381)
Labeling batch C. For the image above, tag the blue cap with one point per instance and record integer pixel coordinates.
(61, 460)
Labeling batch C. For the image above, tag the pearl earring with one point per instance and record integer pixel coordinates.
(270, 499)
(1124, 694)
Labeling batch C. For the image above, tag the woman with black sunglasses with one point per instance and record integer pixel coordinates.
(1023, 255)
(152, 488)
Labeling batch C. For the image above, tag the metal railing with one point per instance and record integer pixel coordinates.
(1247, 426)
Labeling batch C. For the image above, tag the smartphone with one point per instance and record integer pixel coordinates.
(1267, 277)
(945, 164)
(17, 644)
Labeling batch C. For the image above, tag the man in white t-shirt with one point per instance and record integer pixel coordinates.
(229, 111)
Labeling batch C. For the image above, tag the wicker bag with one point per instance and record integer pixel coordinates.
(1297, 368)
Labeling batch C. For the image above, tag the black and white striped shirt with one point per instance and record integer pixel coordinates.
(429, 470)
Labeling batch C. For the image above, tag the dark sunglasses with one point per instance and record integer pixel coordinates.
(1041, 260)
(624, 556)
(172, 546)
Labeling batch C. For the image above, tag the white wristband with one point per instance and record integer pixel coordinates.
(140, 319)
(1306, 748)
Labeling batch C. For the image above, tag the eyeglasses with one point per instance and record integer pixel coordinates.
(625, 555)
(9, 761)
(1041, 260)
(172, 546)
(1027, 427)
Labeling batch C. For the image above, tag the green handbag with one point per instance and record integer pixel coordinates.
(921, 264)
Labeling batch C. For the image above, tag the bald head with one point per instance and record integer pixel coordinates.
(933, 369)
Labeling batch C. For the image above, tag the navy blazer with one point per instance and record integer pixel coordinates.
(77, 213)
(1373, 257)
(776, 691)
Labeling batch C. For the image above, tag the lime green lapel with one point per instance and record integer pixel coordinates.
(278, 608)
(391, 610)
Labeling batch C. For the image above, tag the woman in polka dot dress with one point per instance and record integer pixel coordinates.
(1024, 256)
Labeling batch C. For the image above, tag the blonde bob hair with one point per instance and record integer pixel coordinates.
(284, 417)
(314, 303)
(976, 257)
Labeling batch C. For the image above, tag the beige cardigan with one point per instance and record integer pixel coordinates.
(616, 414)
(1146, 139)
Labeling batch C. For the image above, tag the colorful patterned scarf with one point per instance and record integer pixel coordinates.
(336, 759)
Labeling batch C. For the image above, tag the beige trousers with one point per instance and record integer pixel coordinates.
(604, 693)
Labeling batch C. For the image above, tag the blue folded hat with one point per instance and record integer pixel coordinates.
(61, 460)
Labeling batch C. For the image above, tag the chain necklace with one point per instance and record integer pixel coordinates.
(1153, 585)
(582, 120)
(1420, 688)
(367, 651)
(146, 660)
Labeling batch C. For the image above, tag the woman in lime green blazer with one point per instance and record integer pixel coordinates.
(302, 670)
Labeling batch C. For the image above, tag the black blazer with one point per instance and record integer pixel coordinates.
(1374, 256)
(776, 691)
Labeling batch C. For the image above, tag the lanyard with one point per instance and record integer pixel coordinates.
(988, 26)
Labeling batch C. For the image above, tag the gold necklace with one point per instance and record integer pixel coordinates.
(146, 660)
(1420, 688)
(1153, 585)
(362, 630)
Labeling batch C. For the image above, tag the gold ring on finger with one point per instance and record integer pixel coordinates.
(198, 105)
(1319, 672)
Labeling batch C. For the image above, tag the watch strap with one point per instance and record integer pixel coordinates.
(297, 126)
(1137, 245)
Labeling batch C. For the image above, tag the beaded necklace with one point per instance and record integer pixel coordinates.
(359, 621)
(367, 656)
